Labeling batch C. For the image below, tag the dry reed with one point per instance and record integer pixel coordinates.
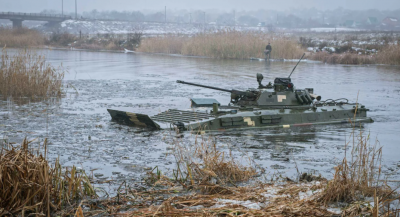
(285, 202)
(345, 58)
(389, 55)
(27, 74)
(202, 163)
(224, 44)
(359, 176)
(20, 37)
(30, 186)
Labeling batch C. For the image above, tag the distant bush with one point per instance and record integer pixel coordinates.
(63, 39)
(306, 42)
(133, 40)
(20, 37)
(225, 44)
(345, 58)
(344, 48)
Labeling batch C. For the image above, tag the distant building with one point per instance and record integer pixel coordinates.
(390, 22)
(350, 23)
(372, 21)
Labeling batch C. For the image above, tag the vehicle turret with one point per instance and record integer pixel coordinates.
(281, 93)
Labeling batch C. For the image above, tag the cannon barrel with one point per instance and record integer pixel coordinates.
(237, 92)
(205, 86)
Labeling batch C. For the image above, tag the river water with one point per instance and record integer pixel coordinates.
(81, 133)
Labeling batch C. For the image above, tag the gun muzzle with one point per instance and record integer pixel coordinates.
(314, 96)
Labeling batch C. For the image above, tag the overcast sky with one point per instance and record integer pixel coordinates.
(227, 5)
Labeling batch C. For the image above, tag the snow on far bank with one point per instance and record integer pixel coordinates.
(123, 27)
(331, 29)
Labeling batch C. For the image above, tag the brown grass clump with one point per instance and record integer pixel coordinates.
(389, 55)
(98, 42)
(27, 74)
(224, 44)
(169, 44)
(20, 37)
(286, 202)
(201, 163)
(345, 58)
(30, 186)
(61, 39)
(359, 176)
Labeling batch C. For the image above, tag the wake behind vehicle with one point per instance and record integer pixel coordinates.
(278, 104)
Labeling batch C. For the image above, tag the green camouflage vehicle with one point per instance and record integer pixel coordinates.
(274, 105)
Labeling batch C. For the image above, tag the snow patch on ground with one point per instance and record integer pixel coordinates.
(248, 204)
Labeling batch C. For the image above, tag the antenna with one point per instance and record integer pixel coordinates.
(297, 64)
(76, 10)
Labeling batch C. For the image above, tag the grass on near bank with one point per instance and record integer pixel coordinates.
(205, 182)
(30, 186)
(224, 44)
(27, 74)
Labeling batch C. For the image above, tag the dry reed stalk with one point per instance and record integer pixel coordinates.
(194, 170)
(30, 185)
(224, 44)
(358, 176)
(21, 37)
(389, 55)
(345, 58)
(27, 74)
(201, 162)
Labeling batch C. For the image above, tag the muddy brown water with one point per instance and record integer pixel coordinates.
(81, 133)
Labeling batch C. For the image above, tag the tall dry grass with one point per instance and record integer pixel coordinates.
(389, 55)
(224, 44)
(344, 58)
(201, 162)
(27, 74)
(359, 175)
(30, 186)
(20, 37)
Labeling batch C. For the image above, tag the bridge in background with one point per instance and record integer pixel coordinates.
(18, 18)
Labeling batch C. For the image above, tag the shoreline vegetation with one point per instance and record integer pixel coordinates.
(223, 44)
(27, 74)
(205, 182)
(227, 44)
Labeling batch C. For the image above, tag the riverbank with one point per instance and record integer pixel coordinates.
(205, 181)
(28, 38)
(223, 44)
(231, 44)
(228, 44)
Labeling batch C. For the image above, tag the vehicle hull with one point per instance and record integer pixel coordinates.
(236, 119)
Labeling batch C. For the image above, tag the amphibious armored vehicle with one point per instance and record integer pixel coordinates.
(278, 104)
